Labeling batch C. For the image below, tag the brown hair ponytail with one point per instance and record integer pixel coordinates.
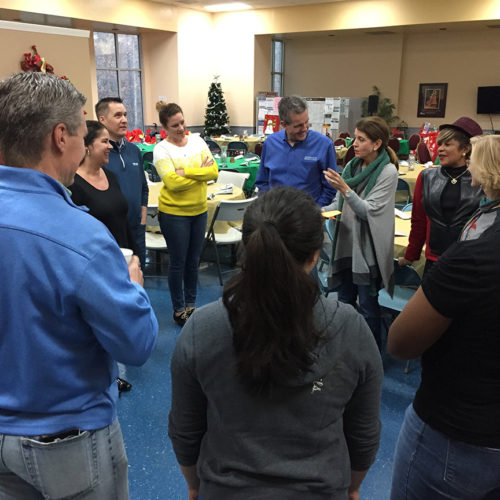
(270, 302)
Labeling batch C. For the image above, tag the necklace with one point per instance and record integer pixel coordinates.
(454, 179)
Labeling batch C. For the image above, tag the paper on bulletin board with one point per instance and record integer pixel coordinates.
(316, 111)
(335, 120)
(344, 106)
(328, 105)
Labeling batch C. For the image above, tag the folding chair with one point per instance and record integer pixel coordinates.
(402, 195)
(213, 146)
(155, 241)
(324, 256)
(406, 281)
(147, 160)
(238, 179)
(235, 148)
(227, 211)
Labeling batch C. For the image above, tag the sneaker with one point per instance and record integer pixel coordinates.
(189, 310)
(123, 385)
(181, 318)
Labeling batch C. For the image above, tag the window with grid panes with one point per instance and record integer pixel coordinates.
(277, 66)
(118, 65)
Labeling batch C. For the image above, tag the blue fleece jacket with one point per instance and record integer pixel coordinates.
(68, 310)
(125, 161)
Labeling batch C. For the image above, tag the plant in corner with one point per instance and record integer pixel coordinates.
(385, 108)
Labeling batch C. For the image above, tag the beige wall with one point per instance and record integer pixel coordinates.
(262, 63)
(73, 61)
(188, 47)
(350, 65)
(160, 71)
(197, 63)
(346, 66)
(465, 60)
(235, 56)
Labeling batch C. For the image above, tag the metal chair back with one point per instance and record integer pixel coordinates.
(235, 148)
(213, 146)
(402, 196)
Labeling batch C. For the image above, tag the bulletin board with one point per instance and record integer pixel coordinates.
(326, 114)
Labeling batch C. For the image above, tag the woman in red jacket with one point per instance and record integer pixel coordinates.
(444, 198)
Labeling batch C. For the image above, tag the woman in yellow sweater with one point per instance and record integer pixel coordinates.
(185, 164)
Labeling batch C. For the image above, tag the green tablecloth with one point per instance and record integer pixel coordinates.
(252, 168)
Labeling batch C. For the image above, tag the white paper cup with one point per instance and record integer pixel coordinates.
(127, 253)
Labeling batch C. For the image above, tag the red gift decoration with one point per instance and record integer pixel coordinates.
(275, 122)
(430, 138)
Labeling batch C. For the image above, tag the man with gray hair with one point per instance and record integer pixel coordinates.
(296, 156)
(70, 307)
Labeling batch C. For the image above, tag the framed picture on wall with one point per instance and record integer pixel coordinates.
(432, 99)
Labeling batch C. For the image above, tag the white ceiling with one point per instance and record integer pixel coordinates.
(255, 4)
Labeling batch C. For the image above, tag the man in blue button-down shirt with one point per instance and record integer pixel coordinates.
(296, 156)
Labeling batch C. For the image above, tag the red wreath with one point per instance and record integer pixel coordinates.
(33, 62)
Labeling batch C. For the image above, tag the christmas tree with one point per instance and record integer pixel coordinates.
(216, 119)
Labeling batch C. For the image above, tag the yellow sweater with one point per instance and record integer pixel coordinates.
(184, 195)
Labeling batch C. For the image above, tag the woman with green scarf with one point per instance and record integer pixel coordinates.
(363, 247)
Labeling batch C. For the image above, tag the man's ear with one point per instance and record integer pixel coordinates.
(60, 137)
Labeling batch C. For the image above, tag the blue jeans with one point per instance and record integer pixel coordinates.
(91, 465)
(429, 465)
(348, 293)
(139, 235)
(184, 236)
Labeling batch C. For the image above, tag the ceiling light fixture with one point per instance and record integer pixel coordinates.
(224, 7)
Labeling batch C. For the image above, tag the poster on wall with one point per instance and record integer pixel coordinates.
(432, 100)
(267, 104)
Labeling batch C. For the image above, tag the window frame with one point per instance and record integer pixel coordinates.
(117, 69)
(274, 43)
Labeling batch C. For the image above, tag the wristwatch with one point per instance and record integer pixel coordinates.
(348, 193)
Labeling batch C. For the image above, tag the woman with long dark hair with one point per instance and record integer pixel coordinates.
(275, 390)
(363, 248)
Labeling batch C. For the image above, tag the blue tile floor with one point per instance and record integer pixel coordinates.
(143, 412)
